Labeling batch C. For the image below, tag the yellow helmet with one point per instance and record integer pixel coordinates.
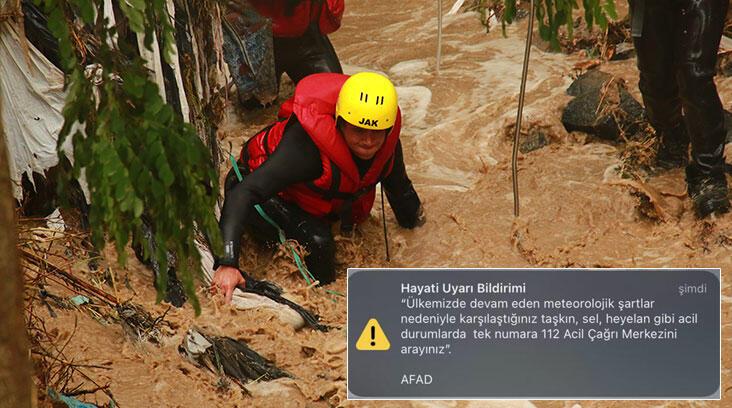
(367, 100)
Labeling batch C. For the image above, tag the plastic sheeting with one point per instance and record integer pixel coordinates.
(32, 101)
(455, 7)
(249, 52)
(70, 402)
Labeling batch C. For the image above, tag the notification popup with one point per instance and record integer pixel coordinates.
(534, 333)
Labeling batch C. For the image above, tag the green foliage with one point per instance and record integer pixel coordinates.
(552, 14)
(136, 153)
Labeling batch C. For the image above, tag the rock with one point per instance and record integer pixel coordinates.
(623, 51)
(593, 79)
(535, 140)
(724, 64)
(584, 114)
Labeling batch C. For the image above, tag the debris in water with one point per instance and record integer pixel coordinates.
(623, 51)
(79, 300)
(227, 356)
(68, 401)
(139, 324)
(651, 204)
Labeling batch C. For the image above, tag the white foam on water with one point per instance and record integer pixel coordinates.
(414, 102)
(409, 67)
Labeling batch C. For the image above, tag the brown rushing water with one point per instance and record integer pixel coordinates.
(458, 155)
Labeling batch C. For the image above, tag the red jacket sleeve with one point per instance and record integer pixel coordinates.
(284, 25)
(326, 13)
(331, 14)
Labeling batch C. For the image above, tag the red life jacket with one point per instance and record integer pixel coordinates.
(326, 15)
(339, 191)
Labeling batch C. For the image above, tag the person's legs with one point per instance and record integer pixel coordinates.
(656, 63)
(314, 234)
(285, 55)
(701, 27)
(318, 56)
(305, 55)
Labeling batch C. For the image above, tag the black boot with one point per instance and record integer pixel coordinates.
(673, 148)
(707, 190)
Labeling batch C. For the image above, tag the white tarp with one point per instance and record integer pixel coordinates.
(32, 96)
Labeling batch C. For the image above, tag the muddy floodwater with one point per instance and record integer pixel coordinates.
(574, 213)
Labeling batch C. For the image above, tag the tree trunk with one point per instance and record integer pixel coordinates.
(200, 41)
(15, 373)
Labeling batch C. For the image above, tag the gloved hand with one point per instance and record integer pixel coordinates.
(407, 208)
(226, 279)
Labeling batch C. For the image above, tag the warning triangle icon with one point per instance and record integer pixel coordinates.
(373, 338)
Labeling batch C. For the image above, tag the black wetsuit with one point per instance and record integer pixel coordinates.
(301, 56)
(297, 160)
(307, 54)
(677, 43)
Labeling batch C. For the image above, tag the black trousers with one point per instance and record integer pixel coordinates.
(313, 233)
(677, 56)
(301, 56)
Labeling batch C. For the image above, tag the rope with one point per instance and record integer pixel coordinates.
(383, 219)
(439, 35)
(522, 94)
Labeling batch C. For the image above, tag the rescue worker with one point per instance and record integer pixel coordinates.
(300, 29)
(677, 43)
(338, 137)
